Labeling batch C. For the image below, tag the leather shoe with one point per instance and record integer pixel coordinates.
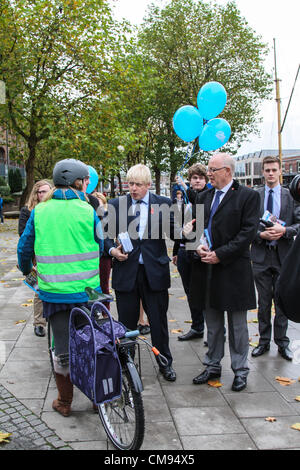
(286, 353)
(239, 384)
(192, 334)
(168, 373)
(204, 377)
(39, 331)
(260, 350)
(144, 329)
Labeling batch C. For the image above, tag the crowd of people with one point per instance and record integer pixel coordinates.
(61, 237)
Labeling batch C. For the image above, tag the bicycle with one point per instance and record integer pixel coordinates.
(123, 418)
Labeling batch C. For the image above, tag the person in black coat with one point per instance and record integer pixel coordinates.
(144, 273)
(37, 195)
(222, 279)
(198, 179)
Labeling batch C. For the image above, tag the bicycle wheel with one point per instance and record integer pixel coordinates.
(51, 346)
(123, 419)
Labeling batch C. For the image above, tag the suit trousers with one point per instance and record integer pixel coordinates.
(238, 337)
(155, 303)
(184, 269)
(265, 276)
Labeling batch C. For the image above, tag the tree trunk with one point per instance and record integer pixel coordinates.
(157, 180)
(29, 168)
(173, 168)
(112, 186)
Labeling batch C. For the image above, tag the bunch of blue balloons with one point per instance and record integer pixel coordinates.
(93, 180)
(190, 122)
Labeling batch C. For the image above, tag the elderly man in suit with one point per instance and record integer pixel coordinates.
(144, 273)
(222, 278)
(268, 252)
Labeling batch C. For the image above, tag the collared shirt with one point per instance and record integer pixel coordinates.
(144, 210)
(224, 191)
(276, 199)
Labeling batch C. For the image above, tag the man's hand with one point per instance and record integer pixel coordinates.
(208, 257)
(118, 254)
(180, 181)
(188, 228)
(273, 233)
(174, 260)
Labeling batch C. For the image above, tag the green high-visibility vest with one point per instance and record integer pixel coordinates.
(66, 252)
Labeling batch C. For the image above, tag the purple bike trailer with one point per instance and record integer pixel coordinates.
(94, 362)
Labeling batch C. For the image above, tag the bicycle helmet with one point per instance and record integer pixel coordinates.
(295, 188)
(67, 171)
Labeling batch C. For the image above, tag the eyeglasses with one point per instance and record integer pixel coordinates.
(132, 183)
(213, 170)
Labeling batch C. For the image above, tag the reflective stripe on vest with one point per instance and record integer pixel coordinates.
(67, 258)
(66, 252)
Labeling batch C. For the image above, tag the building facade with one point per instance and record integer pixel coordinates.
(248, 170)
(9, 144)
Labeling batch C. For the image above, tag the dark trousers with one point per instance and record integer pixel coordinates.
(184, 269)
(155, 303)
(266, 275)
(105, 268)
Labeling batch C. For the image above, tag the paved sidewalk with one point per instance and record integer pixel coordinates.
(179, 416)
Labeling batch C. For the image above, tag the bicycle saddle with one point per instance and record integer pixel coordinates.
(95, 296)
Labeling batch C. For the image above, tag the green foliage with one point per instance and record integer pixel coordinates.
(4, 190)
(15, 180)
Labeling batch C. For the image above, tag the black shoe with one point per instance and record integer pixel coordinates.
(286, 353)
(260, 350)
(144, 329)
(239, 384)
(39, 331)
(204, 377)
(192, 334)
(168, 373)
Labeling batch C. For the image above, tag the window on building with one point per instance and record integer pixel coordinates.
(290, 168)
(298, 166)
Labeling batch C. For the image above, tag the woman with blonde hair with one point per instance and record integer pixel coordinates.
(37, 195)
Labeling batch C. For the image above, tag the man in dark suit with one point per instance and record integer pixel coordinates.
(268, 252)
(222, 278)
(144, 273)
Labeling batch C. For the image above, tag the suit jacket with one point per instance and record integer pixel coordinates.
(289, 213)
(234, 227)
(153, 248)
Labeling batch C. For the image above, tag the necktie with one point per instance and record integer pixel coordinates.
(270, 201)
(213, 210)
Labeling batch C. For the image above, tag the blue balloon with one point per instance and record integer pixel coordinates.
(93, 180)
(211, 100)
(215, 134)
(188, 123)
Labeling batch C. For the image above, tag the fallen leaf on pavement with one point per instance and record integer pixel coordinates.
(254, 345)
(25, 305)
(297, 398)
(270, 419)
(177, 331)
(172, 321)
(296, 426)
(215, 383)
(188, 321)
(285, 381)
(182, 298)
(4, 436)
(20, 321)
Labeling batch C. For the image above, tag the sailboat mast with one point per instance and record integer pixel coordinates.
(278, 100)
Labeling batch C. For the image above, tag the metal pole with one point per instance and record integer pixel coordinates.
(278, 100)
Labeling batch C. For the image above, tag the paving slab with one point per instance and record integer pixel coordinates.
(179, 415)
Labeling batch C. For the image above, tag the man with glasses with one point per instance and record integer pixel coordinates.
(143, 274)
(268, 252)
(222, 280)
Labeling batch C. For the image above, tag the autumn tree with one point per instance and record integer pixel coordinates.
(189, 43)
(55, 59)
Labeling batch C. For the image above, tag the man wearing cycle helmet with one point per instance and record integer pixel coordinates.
(66, 236)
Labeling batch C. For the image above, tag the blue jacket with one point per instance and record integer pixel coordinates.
(25, 251)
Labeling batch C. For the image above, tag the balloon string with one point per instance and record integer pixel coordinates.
(186, 160)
